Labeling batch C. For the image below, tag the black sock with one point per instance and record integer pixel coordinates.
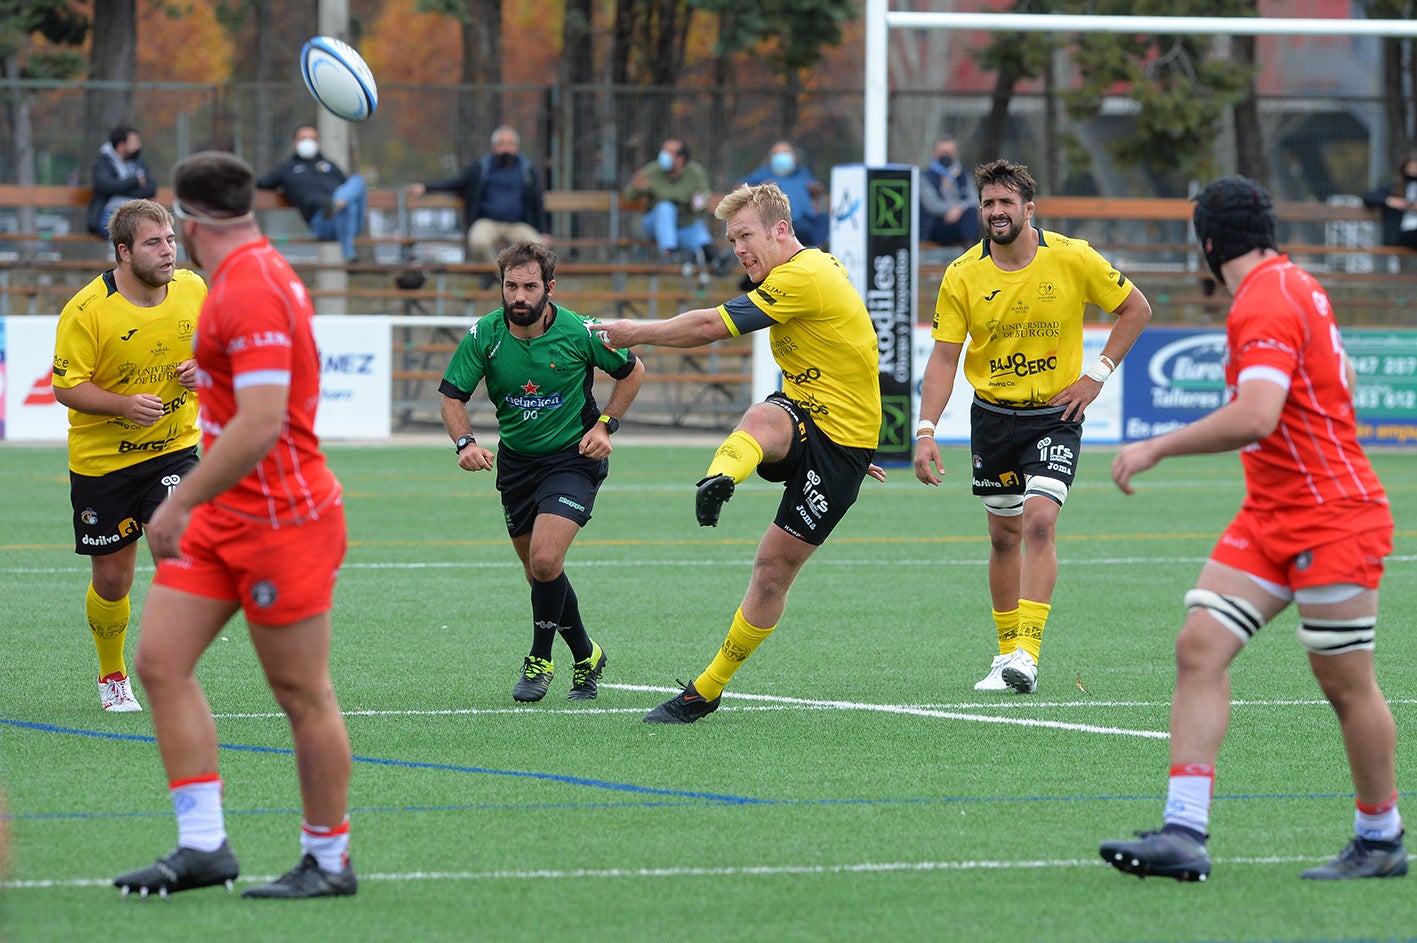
(548, 599)
(572, 628)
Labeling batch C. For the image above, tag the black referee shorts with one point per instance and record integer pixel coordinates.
(563, 483)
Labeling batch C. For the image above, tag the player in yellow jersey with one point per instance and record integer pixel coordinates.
(123, 365)
(817, 436)
(1018, 299)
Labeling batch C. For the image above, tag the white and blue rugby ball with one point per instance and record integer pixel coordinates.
(339, 78)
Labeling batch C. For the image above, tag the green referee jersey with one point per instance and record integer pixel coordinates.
(540, 388)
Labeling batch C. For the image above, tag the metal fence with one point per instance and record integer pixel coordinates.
(593, 137)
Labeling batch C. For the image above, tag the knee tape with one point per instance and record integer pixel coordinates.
(1041, 486)
(1237, 615)
(1004, 505)
(1336, 636)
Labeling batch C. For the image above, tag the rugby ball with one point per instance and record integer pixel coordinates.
(339, 78)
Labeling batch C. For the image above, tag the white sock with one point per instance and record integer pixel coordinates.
(1378, 823)
(1188, 796)
(329, 844)
(200, 822)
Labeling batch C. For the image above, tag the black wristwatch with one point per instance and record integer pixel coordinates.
(612, 425)
(464, 442)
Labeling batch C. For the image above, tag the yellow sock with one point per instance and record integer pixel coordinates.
(743, 639)
(739, 454)
(1007, 625)
(108, 622)
(1032, 617)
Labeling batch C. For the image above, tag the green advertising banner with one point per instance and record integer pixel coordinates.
(1386, 398)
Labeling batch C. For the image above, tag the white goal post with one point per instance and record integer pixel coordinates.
(880, 20)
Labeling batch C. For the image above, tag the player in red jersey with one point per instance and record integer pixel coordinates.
(258, 527)
(1313, 529)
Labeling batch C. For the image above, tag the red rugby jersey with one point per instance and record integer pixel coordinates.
(257, 328)
(1281, 328)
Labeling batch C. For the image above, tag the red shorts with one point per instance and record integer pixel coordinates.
(278, 576)
(1271, 548)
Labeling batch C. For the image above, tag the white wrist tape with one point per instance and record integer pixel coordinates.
(1101, 370)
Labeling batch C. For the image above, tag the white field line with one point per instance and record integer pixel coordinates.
(582, 874)
(700, 564)
(762, 702)
(958, 711)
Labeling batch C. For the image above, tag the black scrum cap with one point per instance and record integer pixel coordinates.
(1232, 216)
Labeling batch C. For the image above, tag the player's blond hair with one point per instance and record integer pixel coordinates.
(772, 204)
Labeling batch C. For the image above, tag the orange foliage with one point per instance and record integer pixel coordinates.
(404, 45)
(190, 46)
(425, 48)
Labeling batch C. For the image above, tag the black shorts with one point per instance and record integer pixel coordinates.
(822, 478)
(564, 483)
(1007, 445)
(110, 510)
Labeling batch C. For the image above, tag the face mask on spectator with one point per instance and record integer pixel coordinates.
(306, 148)
(666, 161)
(782, 163)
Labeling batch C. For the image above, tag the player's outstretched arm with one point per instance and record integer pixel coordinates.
(690, 329)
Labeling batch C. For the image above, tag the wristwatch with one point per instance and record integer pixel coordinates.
(612, 425)
(464, 442)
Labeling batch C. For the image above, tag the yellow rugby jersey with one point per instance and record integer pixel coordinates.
(1022, 330)
(123, 348)
(823, 341)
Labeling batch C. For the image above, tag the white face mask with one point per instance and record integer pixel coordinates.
(306, 148)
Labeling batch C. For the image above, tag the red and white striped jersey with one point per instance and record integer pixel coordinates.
(1281, 329)
(257, 328)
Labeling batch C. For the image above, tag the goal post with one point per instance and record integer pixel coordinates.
(880, 20)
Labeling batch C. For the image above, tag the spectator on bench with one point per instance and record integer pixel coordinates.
(331, 203)
(119, 174)
(1398, 201)
(503, 201)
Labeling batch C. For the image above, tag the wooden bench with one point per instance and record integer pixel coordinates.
(604, 208)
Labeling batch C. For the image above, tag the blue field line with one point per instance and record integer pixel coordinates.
(680, 797)
(412, 764)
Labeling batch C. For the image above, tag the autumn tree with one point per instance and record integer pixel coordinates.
(1399, 78)
(481, 25)
(39, 39)
(1182, 90)
(791, 36)
(113, 63)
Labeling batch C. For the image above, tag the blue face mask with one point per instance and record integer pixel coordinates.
(666, 161)
(782, 163)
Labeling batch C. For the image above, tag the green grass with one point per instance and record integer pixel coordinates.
(852, 787)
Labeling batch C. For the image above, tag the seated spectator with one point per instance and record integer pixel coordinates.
(801, 188)
(1398, 202)
(678, 190)
(502, 198)
(949, 206)
(119, 174)
(330, 202)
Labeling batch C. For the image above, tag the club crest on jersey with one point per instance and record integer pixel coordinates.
(263, 594)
